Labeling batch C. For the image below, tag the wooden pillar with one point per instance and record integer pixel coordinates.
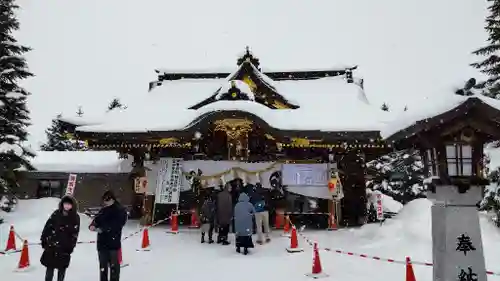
(353, 179)
(148, 208)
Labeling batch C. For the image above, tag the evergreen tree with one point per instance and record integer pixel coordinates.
(399, 174)
(491, 199)
(384, 107)
(115, 103)
(58, 140)
(490, 65)
(14, 115)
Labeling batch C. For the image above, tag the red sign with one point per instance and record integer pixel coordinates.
(70, 187)
(380, 210)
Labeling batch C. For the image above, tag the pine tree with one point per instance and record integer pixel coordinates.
(384, 107)
(491, 199)
(14, 115)
(399, 174)
(58, 140)
(491, 64)
(115, 103)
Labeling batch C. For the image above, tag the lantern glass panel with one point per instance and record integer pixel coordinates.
(459, 160)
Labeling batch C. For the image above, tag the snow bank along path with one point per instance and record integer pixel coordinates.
(28, 222)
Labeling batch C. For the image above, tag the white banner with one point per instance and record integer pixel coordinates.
(168, 181)
(269, 179)
(305, 174)
(70, 187)
(206, 168)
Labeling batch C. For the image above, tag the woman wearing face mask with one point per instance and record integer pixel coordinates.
(59, 238)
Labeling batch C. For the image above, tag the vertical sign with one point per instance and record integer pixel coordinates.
(70, 187)
(380, 210)
(464, 249)
(169, 181)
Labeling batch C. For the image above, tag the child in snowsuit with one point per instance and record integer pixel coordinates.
(207, 218)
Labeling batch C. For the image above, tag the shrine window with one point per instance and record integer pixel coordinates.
(459, 160)
(49, 188)
(432, 162)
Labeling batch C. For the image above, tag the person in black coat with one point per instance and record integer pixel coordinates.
(108, 223)
(207, 218)
(59, 237)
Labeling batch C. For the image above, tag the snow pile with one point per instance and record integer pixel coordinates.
(11, 148)
(388, 203)
(30, 217)
(413, 221)
(81, 162)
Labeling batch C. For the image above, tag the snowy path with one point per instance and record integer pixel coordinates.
(182, 257)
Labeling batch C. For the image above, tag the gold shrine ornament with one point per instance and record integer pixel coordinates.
(166, 141)
(233, 127)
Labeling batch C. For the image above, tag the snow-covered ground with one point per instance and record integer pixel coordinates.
(182, 257)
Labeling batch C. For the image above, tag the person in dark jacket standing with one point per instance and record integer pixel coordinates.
(59, 237)
(207, 219)
(109, 223)
(224, 211)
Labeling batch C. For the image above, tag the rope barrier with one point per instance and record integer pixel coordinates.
(366, 256)
(94, 241)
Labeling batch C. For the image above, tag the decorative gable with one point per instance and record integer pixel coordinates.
(248, 83)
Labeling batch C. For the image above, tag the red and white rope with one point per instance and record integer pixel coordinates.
(383, 259)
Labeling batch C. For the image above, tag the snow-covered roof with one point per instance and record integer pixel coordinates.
(80, 162)
(328, 104)
(401, 63)
(431, 109)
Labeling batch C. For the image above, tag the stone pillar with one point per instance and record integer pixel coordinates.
(456, 234)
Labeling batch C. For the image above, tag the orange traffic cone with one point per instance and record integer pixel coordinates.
(410, 275)
(278, 220)
(294, 242)
(11, 241)
(194, 219)
(317, 270)
(145, 245)
(332, 224)
(286, 227)
(174, 223)
(120, 259)
(24, 260)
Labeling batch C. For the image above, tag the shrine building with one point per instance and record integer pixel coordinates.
(289, 131)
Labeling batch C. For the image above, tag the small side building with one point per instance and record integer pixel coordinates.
(96, 172)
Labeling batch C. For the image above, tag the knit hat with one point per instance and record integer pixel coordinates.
(68, 199)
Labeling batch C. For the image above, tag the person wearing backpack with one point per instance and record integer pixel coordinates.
(261, 216)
